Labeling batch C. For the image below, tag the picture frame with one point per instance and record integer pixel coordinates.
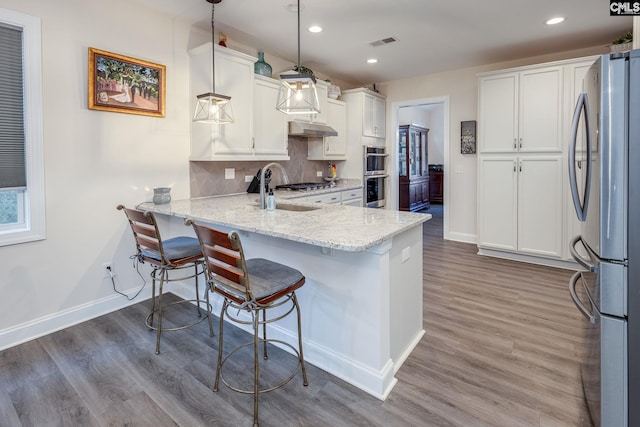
(122, 84)
(468, 137)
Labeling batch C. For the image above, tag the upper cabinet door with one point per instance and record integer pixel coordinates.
(540, 118)
(270, 133)
(373, 123)
(234, 78)
(498, 113)
(521, 111)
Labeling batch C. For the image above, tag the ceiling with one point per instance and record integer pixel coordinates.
(432, 35)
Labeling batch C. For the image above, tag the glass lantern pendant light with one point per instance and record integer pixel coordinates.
(212, 107)
(298, 93)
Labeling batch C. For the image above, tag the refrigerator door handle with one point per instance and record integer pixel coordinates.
(581, 206)
(591, 263)
(573, 282)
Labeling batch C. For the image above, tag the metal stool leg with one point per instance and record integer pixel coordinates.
(256, 371)
(206, 295)
(220, 334)
(304, 371)
(264, 332)
(163, 276)
(195, 266)
(153, 296)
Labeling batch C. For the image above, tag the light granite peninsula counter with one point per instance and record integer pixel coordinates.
(361, 304)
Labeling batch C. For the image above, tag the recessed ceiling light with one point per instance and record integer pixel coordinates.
(555, 20)
(315, 28)
(372, 61)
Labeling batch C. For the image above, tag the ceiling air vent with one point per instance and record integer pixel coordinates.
(383, 41)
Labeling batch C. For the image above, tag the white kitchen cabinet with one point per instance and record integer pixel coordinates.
(270, 133)
(234, 78)
(325, 198)
(351, 197)
(524, 119)
(366, 113)
(520, 204)
(373, 123)
(258, 131)
(521, 111)
(331, 147)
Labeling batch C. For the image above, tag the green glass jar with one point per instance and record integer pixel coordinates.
(261, 67)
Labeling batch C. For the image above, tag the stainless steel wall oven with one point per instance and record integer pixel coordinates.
(375, 176)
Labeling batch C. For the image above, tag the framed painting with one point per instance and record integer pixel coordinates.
(122, 84)
(468, 137)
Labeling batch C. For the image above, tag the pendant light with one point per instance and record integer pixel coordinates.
(298, 93)
(212, 107)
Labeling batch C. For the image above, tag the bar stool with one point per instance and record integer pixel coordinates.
(251, 285)
(177, 253)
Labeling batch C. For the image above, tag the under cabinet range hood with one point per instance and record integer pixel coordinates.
(310, 129)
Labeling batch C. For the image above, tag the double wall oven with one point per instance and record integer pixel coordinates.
(376, 160)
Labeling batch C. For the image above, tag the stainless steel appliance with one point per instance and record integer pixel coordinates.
(375, 160)
(304, 186)
(604, 168)
(375, 176)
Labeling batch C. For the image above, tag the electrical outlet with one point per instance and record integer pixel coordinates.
(108, 270)
(248, 178)
(319, 173)
(229, 173)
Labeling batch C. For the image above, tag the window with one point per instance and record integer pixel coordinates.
(22, 216)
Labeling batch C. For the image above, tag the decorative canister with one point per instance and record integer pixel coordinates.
(161, 195)
(261, 67)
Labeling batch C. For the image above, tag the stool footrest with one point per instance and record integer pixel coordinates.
(262, 390)
(179, 328)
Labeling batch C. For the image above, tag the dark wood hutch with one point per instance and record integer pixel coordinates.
(413, 179)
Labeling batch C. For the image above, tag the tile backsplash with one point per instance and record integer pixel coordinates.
(207, 178)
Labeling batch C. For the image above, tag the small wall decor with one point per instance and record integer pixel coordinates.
(122, 84)
(468, 137)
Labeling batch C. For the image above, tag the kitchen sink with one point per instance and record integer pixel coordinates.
(295, 208)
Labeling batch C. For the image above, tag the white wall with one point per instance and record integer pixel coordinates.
(461, 88)
(94, 160)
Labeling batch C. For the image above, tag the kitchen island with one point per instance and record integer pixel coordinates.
(362, 301)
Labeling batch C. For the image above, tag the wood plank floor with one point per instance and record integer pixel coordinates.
(500, 349)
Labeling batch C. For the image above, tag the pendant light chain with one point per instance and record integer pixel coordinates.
(299, 37)
(213, 49)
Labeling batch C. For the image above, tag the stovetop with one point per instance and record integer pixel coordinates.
(304, 186)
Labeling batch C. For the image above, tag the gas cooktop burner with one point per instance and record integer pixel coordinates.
(304, 186)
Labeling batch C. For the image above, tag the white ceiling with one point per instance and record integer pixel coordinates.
(432, 35)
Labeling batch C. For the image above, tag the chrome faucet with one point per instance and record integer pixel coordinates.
(263, 201)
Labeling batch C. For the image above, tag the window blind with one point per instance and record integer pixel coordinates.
(12, 133)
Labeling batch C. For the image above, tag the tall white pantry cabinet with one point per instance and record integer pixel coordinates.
(524, 118)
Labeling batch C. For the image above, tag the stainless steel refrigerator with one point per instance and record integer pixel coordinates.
(604, 168)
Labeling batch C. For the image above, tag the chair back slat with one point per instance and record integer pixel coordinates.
(145, 231)
(224, 257)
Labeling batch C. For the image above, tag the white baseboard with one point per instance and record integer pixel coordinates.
(462, 237)
(549, 262)
(45, 325)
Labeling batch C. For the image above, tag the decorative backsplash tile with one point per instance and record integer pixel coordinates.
(207, 178)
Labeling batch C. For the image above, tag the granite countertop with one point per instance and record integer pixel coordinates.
(346, 228)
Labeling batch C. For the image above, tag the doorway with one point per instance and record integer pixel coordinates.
(433, 114)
